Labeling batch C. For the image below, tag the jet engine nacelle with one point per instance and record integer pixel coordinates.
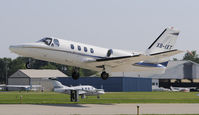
(116, 53)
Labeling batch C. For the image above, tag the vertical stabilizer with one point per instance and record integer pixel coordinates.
(165, 41)
(57, 84)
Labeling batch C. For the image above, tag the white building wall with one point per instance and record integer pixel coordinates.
(46, 84)
(19, 81)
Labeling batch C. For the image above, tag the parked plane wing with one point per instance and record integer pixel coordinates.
(81, 92)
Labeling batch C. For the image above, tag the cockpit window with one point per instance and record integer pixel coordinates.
(47, 41)
(56, 43)
(50, 42)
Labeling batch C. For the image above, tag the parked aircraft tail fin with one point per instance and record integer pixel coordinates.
(57, 84)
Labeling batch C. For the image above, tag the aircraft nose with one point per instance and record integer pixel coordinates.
(25, 49)
(15, 48)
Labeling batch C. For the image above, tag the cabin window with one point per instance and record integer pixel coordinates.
(91, 50)
(72, 46)
(85, 49)
(79, 48)
(110, 51)
(56, 42)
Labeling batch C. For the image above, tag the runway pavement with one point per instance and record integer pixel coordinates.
(64, 109)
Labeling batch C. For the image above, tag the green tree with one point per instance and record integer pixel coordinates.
(16, 64)
(4, 69)
(193, 56)
(48, 66)
(175, 59)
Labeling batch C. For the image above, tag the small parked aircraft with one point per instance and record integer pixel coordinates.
(83, 90)
(103, 60)
(180, 89)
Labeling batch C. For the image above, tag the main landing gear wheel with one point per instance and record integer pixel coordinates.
(28, 64)
(75, 74)
(104, 75)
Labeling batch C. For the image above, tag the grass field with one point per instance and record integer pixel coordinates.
(108, 98)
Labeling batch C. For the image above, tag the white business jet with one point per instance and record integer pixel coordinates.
(103, 60)
(83, 90)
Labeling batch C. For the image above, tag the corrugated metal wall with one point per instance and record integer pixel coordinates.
(137, 84)
(46, 84)
(19, 81)
(112, 84)
(180, 70)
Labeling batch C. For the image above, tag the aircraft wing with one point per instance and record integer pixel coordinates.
(18, 86)
(81, 92)
(86, 92)
(23, 86)
(117, 61)
(166, 53)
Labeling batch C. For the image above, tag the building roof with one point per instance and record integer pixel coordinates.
(34, 73)
(180, 70)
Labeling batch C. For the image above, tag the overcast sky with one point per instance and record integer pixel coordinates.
(121, 24)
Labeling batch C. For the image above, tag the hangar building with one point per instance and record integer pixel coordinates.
(179, 74)
(34, 77)
(112, 84)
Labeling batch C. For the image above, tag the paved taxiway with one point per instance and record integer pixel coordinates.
(63, 109)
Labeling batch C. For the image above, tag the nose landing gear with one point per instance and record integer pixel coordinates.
(75, 73)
